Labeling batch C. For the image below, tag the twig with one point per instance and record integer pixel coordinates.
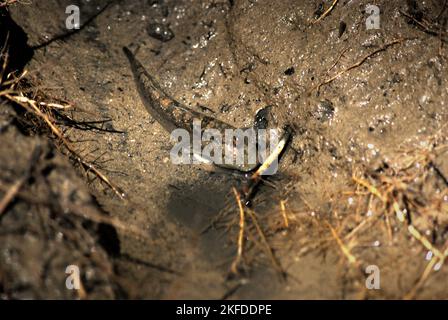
(439, 173)
(372, 189)
(326, 12)
(31, 105)
(411, 294)
(338, 59)
(415, 233)
(426, 273)
(359, 63)
(425, 27)
(9, 196)
(351, 258)
(363, 222)
(236, 262)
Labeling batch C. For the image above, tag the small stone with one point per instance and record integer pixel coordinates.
(160, 32)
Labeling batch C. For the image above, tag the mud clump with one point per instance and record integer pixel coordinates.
(43, 231)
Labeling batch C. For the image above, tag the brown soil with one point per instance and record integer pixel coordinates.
(233, 57)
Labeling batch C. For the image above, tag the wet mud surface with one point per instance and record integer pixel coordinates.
(354, 97)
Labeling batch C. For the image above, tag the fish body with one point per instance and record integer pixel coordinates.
(172, 114)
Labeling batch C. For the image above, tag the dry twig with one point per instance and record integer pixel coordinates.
(327, 12)
(359, 63)
(239, 256)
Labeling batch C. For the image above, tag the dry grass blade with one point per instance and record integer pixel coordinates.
(434, 264)
(400, 214)
(411, 294)
(338, 59)
(410, 187)
(372, 189)
(10, 194)
(32, 106)
(350, 257)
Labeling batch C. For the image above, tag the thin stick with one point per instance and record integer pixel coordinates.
(337, 60)
(4, 54)
(56, 105)
(351, 258)
(236, 262)
(10, 194)
(426, 273)
(415, 233)
(372, 189)
(425, 27)
(363, 222)
(411, 294)
(359, 63)
(327, 11)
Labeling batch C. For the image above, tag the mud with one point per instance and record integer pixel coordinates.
(228, 59)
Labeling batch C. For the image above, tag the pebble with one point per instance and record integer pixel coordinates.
(160, 32)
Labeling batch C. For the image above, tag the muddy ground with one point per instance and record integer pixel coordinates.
(355, 97)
